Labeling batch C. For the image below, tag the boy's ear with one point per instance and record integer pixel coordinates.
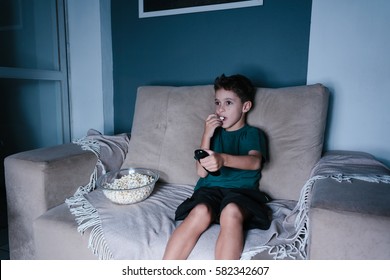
(247, 106)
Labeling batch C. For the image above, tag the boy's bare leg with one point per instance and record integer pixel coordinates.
(231, 237)
(186, 235)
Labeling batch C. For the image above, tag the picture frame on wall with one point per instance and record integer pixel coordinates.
(155, 8)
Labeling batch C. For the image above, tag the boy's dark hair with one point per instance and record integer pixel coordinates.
(239, 84)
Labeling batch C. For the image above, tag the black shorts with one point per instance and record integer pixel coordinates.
(252, 201)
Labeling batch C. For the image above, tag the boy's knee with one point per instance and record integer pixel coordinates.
(232, 213)
(203, 212)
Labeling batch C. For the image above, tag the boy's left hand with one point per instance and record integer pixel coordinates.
(213, 162)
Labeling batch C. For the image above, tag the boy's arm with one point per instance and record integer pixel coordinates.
(215, 161)
(205, 145)
(252, 161)
(211, 123)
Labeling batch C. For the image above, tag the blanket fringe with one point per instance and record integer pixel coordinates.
(297, 247)
(86, 215)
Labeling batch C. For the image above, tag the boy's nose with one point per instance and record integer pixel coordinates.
(221, 109)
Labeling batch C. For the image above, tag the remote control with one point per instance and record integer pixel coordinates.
(199, 154)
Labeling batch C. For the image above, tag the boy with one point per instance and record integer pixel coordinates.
(232, 198)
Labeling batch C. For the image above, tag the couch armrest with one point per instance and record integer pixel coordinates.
(350, 219)
(38, 180)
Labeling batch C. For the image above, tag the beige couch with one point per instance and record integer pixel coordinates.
(348, 220)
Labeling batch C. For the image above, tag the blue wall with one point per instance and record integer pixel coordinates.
(267, 43)
(350, 55)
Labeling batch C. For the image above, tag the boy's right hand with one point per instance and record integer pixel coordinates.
(212, 122)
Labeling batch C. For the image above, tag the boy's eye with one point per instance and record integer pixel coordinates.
(217, 103)
(229, 102)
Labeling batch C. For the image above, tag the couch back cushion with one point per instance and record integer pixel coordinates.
(167, 128)
(169, 121)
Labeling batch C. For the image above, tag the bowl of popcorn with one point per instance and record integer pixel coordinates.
(127, 186)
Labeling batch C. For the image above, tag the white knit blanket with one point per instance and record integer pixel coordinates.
(141, 230)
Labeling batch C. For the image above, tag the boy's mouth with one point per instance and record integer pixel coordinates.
(221, 118)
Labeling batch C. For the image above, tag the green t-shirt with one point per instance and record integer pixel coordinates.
(238, 142)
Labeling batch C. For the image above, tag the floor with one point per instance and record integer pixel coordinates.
(4, 249)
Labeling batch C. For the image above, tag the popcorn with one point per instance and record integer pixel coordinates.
(221, 118)
(127, 189)
(130, 181)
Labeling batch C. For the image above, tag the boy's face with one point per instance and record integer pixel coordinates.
(230, 109)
